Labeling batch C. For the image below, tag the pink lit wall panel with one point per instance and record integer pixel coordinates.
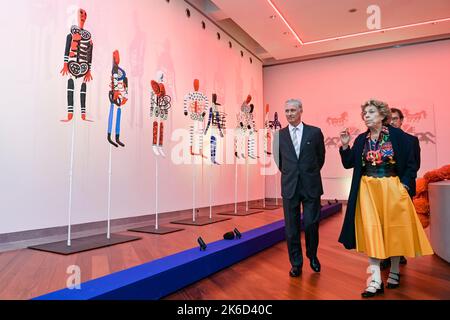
(413, 78)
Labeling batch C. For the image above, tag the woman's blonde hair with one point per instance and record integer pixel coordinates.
(382, 107)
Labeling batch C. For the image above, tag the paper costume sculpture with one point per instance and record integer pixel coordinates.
(267, 132)
(270, 126)
(196, 105)
(275, 124)
(245, 131)
(77, 63)
(159, 112)
(118, 96)
(216, 121)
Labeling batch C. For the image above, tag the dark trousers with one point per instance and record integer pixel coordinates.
(311, 214)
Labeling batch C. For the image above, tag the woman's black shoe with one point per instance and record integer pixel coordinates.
(396, 277)
(373, 284)
(403, 260)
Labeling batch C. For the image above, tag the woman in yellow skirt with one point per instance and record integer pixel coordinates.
(380, 219)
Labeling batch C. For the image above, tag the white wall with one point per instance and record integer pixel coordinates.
(35, 145)
(415, 77)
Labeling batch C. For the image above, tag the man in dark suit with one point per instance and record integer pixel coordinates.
(397, 121)
(299, 152)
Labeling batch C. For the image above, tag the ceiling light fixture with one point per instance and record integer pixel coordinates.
(380, 30)
(432, 22)
(284, 20)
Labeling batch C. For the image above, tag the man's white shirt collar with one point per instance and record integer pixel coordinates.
(299, 127)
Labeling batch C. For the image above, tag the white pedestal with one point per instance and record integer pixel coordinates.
(439, 196)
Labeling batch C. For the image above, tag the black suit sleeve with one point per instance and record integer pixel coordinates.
(347, 156)
(320, 149)
(411, 166)
(417, 152)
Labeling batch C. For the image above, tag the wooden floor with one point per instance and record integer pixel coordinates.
(27, 273)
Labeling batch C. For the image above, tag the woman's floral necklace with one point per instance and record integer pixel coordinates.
(374, 155)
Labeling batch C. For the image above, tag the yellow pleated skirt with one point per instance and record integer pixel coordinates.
(386, 222)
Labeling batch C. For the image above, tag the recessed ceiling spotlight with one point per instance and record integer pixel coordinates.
(272, 16)
(295, 46)
(285, 33)
(352, 10)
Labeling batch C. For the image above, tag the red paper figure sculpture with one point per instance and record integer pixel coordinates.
(77, 63)
(118, 95)
(245, 130)
(195, 105)
(159, 111)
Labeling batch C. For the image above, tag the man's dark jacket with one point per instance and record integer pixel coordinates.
(306, 167)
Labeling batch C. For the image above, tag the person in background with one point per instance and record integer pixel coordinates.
(397, 121)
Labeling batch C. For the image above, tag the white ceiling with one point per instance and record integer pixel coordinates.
(324, 20)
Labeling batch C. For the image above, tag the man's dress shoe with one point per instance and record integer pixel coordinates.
(315, 264)
(295, 271)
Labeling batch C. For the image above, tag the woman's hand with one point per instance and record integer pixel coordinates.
(345, 138)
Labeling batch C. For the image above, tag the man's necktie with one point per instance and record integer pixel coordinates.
(295, 141)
